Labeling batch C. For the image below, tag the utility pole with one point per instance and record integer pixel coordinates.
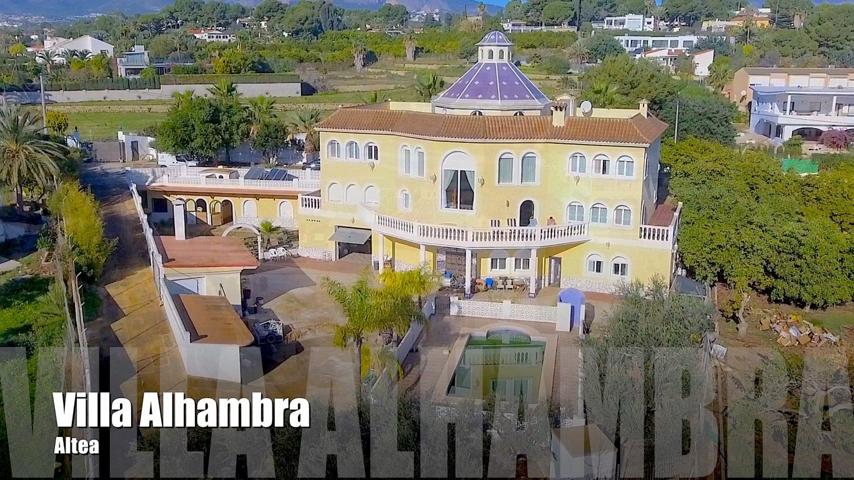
(44, 105)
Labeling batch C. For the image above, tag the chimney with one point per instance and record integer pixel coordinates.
(558, 114)
(179, 212)
(643, 107)
(571, 106)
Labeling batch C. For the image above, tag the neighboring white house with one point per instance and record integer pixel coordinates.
(212, 35)
(669, 57)
(131, 64)
(86, 43)
(517, 26)
(631, 22)
(632, 42)
(781, 112)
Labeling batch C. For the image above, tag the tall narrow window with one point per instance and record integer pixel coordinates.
(372, 152)
(577, 163)
(505, 169)
(458, 189)
(406, 161)
(405, 200)
(333, 149)
(601, 164)
(599, 213)
(623, 216)
(594, 264)
(529, 168)
(352, 151)
(420, 161)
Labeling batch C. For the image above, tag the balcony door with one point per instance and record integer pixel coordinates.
(526, 213)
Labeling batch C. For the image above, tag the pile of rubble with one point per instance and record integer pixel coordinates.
(794, 330)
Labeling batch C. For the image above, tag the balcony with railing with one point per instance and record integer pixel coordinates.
(662, 235)
(464, 237)
(301, 180)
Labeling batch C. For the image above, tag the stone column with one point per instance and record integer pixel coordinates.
(468, 273)
(381, 251)
(180, 217)
(532, 290)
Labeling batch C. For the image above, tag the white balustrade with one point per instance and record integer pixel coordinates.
(308, 202)
(448, 235)
(665, 235)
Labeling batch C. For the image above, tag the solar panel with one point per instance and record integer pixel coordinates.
(255, 173)
(277, 174)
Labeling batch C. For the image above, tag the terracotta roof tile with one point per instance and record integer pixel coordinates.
(636, 130)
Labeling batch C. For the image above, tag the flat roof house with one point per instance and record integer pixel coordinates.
(739, 90)
(781, 112)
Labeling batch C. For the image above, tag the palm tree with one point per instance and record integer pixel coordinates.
(429, 85)
(182, 99)
(720, 73)
(603, 94)
(579, 52)
(412, 283)
(305, 122)
(260, 110)
(268, 232)
(224, 91)
(25, 155)
(369, 310)
(47, 58)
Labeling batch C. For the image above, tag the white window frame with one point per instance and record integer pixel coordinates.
(372, 152)
(594, 257)
(624, 161)
(623, 264)
(420, 162)
(577, 164)
(495, 264)
(406, 160)
(594, 218)
(579, 206)
(619, 215)
(529, 156)
(522, 264)
(404, 199)
(602, 165)
(507, 158)
(351, 150)
(333, 149)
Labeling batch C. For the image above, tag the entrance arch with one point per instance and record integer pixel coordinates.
(227, 211)
(526, 212)
(201, 211)
(286, 213)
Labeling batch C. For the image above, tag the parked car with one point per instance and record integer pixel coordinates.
(169, 160)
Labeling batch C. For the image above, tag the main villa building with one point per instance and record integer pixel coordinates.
(489, 180)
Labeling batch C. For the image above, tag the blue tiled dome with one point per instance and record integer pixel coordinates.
(495, 39)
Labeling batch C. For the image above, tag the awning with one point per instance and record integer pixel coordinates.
(351, 235)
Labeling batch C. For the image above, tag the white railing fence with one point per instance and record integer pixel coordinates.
(428, 309)
(309, 202)
(216, 361)
(447, 234)
(666, 235)
(507, 310)
(183, 175)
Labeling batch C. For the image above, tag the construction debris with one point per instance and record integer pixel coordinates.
(794, 330)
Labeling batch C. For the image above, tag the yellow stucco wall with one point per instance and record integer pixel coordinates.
(265, 208)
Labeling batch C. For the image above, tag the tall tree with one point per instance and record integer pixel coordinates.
(305, 122)
(429, 85)
(26, 155)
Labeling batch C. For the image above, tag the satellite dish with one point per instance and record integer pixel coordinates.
(586, 107)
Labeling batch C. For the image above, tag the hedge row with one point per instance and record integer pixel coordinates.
(205, 79)
(104, 84)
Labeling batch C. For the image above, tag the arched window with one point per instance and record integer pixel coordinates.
(372, 152)
(351, 195)
(458, 179)
(352, 151)
(420, 161)
(505, 169)
(623, 216)
(594, 264)
(599, 213)
(372, 195)
(625, 166)
(501, 54)
(490, 54)
(286, 210)
(602, 164)
(406, 160)
(334, 192)
(519, 113)
(333, 149)
(249, 208)
(620, 267)
(578, 164)
(405, 200)
(529, 168)
(476, 113)
(575, 212)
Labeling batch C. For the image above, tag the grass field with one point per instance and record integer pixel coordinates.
(100, 126)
